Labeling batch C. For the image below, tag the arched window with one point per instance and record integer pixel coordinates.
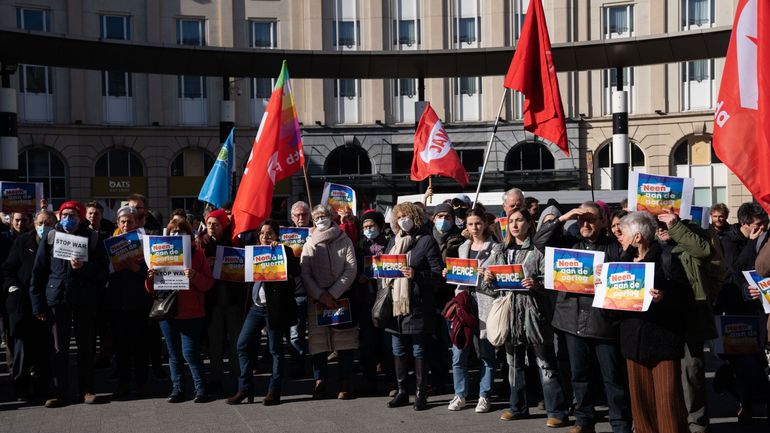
(529, 156)
(348, 159)
(188, 172)
(603, 158)
(693, 156)
(119, 162)
(42, 165)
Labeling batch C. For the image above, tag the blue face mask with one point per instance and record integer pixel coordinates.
(443, 225)
(371, 233)
(42, 231)
(69, 224)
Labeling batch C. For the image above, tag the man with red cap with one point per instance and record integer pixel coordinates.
(224, 302)
(64, 292)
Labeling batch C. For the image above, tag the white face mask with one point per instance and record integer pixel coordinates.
(406, 224)
(323, 223)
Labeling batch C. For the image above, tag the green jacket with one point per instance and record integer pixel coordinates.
(695, 252)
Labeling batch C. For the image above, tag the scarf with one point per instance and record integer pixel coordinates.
(400, 286)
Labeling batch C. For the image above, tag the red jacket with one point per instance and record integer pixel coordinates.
(192, 302)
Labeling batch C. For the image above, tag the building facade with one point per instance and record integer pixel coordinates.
(102, 134)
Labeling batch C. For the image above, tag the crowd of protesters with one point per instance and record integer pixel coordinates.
(647, 368)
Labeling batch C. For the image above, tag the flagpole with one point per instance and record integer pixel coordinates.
(430, 185)
(307, 186)
(489, 145)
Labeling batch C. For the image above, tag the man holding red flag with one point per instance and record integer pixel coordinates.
(276, 155)
(533, 74)
(742, 118)
(434, 153)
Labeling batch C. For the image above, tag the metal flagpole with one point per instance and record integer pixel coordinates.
(489, 146)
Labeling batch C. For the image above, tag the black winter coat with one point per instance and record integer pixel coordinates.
(425, 259)
(17, 273)
(125, 291)
(740, 254)
(659, 333)
(235, 292)
(279, 295)
(574, 312)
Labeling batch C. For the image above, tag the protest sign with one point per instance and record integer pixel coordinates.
(463, 272)
(503, 223)
(20, 197)
(229, 264)
(168, 252)
(625, 286)
(341, 198)
(333, 316)
(124, 248)
(294, 238)
(507, 277)
(761, 284)
(739, 335)
(654, 193)
(700, 215)
(571, 270)
(68, 247)
(389, 265)
(166, 278)
(265, 263)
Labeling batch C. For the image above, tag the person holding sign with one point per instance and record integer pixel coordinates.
(184, 332)
(481, 247)
(127, 304)
(530, 325)
(66, 291)
(653, 342)
(591, 334)
(271, 305)
(414, 320)
(328, 272)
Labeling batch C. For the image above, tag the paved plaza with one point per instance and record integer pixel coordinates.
(297, 413)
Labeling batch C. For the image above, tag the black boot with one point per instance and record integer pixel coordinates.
(402, 370)
(421, 376)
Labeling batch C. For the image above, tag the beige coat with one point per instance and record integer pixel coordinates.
(328, 265)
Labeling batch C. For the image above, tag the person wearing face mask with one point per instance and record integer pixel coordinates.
(414, 319)
(329, 267)
(126, 304)
(65, 292)
(460, 204)
(224, 303)
(29, 336)
(373, 347)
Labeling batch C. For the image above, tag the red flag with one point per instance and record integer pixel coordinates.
(533, 74)
(742, 117)
(434, 152)
(276, 155)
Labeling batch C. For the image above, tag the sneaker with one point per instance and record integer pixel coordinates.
(457, 403)
(89, 398)
(55, 402)
(483, 405)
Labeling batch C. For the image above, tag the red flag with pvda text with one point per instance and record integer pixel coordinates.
(275, 155)
(533, 74)
(742, 117)
(434, 153)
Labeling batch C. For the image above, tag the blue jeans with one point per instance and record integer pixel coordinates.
(248, 342)
(460, 367)
(321, 365)
(612, 367)
(402, 342)
(183, 340)
(553, 394)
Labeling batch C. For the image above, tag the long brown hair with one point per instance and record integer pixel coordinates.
(509, 240)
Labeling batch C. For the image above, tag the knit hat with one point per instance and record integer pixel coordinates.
(375, 216)
(126, 210)
(444, 207)
(73, 205)
(221, 216)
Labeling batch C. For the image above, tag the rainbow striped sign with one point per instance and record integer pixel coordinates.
(463, 272)
(507, 277)
(389, 265)
(761, 284)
